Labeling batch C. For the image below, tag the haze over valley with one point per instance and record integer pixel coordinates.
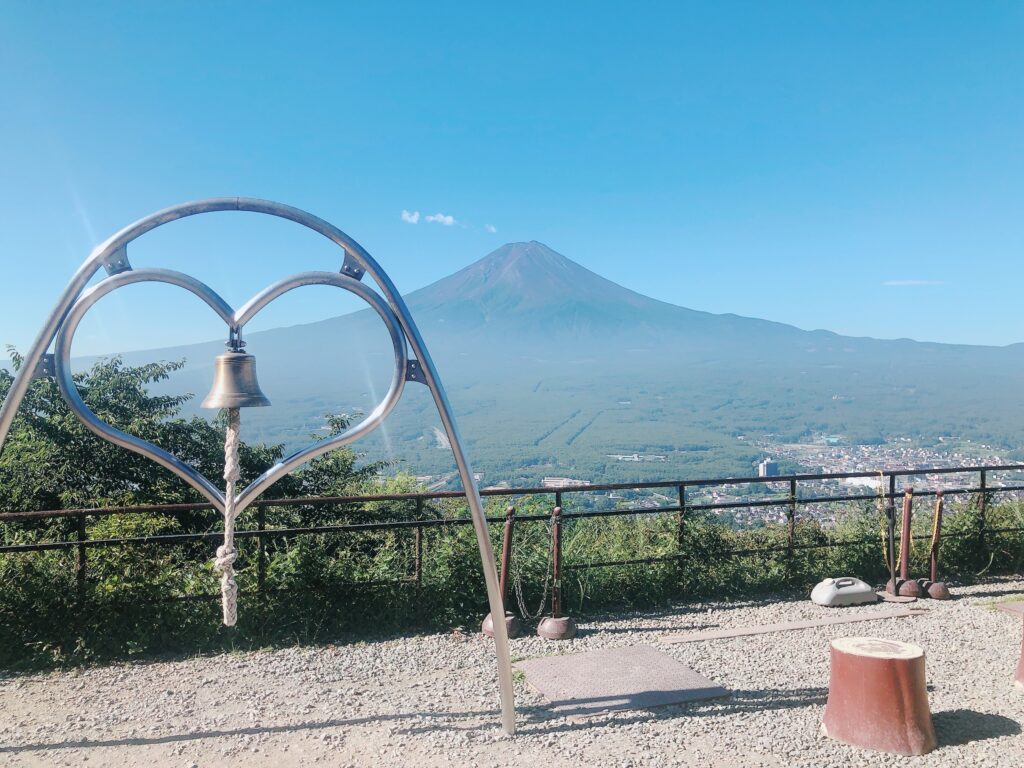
(556, 371)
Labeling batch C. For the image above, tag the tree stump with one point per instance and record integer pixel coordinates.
(877, 697)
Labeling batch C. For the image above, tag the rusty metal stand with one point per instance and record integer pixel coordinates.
(904, 586)
(556, 626)
(512, 625)
(932, 587)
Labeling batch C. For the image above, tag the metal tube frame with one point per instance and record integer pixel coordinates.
(111, 255)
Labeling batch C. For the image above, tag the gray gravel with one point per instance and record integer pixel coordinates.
(431, 700)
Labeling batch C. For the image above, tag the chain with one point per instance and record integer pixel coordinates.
(517, 586)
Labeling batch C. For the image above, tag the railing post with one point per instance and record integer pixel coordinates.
(982, 510)
(791, 519)
(506, 552)
(80, 554)
(261, 550)
(556, 626)
(890, 513)
(556, 558)
(681, 517)
(418, 555)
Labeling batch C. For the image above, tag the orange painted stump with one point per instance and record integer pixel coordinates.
(877, 697)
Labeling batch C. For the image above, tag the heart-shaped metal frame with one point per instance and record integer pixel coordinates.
(235, 320)
(112, 255)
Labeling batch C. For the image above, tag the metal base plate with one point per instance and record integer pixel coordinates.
(635, 677)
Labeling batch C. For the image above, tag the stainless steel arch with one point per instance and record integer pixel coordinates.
(235, 322)
(112, 254)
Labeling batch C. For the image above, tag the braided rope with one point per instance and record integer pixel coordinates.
(226, 553)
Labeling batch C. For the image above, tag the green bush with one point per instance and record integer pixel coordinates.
(154, 598)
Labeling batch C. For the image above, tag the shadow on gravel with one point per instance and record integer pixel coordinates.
(599, 630)
(540, 719)
(172, 738)
(956, 727)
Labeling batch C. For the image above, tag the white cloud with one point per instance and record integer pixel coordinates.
(490, 228)
(903, 283)
(441, 218)
(411, 217)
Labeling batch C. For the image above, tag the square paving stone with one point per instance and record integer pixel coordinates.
(635, 677)
(1012, 607)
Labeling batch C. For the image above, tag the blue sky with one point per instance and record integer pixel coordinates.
(854, 166)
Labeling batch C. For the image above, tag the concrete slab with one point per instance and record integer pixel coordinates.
(634, 677)
(789, 626)
(1015, 607)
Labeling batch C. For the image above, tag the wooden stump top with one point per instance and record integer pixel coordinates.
(876, 648)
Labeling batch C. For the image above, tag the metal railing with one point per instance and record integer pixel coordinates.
(790, 500)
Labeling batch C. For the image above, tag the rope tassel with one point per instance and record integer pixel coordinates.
(226, 553)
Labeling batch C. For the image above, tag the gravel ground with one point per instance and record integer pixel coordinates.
(431, 700)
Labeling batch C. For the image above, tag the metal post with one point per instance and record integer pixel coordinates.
(791, 522)
(418, 561)
(261, 551)
(908, 502)
(681, 517)
(515, 629)
(904, 585)
(506, 553)
(890, 514)
(80, 554)
(932, 586)
(556, 626)
(982, 510)
(556, 561)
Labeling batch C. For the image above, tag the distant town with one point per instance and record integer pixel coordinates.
(827, 454)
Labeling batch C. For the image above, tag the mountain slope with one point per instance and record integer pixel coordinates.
(552, 368)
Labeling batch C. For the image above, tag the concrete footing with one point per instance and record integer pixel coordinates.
(904, 588)
(557, 628)
(512, 625)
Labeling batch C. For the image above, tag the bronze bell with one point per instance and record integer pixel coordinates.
(234, 382)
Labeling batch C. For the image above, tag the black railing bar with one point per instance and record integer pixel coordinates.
(269, 533)
(534, 491)
(247, 593)
(778, 501)
(272, 533)
(614, 512)
(614, 563)
(804, 500)
(847, 475)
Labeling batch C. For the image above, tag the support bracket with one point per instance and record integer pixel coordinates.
(352, 268)
(414, 371)
(117, 261)
(46, 368)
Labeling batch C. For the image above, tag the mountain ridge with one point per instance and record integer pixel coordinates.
(552, 368)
